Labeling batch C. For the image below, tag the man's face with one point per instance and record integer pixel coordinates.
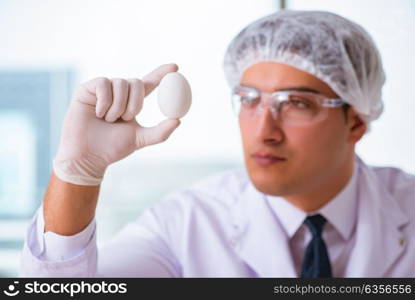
(312, 153)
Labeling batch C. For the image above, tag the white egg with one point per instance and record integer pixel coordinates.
(174, 95)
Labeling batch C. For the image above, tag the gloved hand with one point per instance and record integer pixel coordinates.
(100, 126)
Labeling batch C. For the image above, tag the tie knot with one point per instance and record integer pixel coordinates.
(315, 223)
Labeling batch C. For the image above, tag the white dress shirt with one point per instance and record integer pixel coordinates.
(338, 232)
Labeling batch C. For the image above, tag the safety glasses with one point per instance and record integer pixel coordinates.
(291, 107)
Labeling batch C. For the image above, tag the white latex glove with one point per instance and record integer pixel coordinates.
(100, 126)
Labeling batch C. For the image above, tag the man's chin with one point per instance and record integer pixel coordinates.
(268, 185)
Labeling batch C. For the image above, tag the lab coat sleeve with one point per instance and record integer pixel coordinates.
(139, 250)
(58, 247)
(53, 255)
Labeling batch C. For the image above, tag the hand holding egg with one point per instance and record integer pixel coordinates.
(100, 126)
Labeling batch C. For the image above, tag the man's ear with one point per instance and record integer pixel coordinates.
(357, 128)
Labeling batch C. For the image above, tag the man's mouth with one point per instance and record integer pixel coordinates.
(266, 159)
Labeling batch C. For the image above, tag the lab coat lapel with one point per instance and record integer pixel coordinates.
(378, 233)
(259, 238)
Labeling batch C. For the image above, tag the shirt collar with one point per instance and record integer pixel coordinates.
(339, 212)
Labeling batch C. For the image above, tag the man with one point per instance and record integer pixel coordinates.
(306, 86)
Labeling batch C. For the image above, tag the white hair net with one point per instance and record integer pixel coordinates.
(335, 50)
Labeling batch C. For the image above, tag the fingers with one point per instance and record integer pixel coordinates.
(120, 91)
(135, 99)
(104, 94)
(96, 92)
(146, 136)
(117, 98)
(152, 79)
(120, 98)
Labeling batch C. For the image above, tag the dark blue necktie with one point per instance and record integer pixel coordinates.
(316, 259)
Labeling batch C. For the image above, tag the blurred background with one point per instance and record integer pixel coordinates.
(50, 47)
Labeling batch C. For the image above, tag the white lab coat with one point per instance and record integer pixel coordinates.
(222, 227)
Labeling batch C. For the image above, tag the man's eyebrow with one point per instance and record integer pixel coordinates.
(299, 88)
(292, 88)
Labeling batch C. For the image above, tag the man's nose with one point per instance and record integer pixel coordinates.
(268, 129)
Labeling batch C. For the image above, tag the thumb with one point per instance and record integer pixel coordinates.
(146, 136)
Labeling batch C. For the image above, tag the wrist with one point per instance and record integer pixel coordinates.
(88, 170)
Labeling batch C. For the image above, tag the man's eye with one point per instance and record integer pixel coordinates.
(248, 100)
(299, 103)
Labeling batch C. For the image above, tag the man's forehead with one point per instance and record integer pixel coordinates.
(273, 76)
